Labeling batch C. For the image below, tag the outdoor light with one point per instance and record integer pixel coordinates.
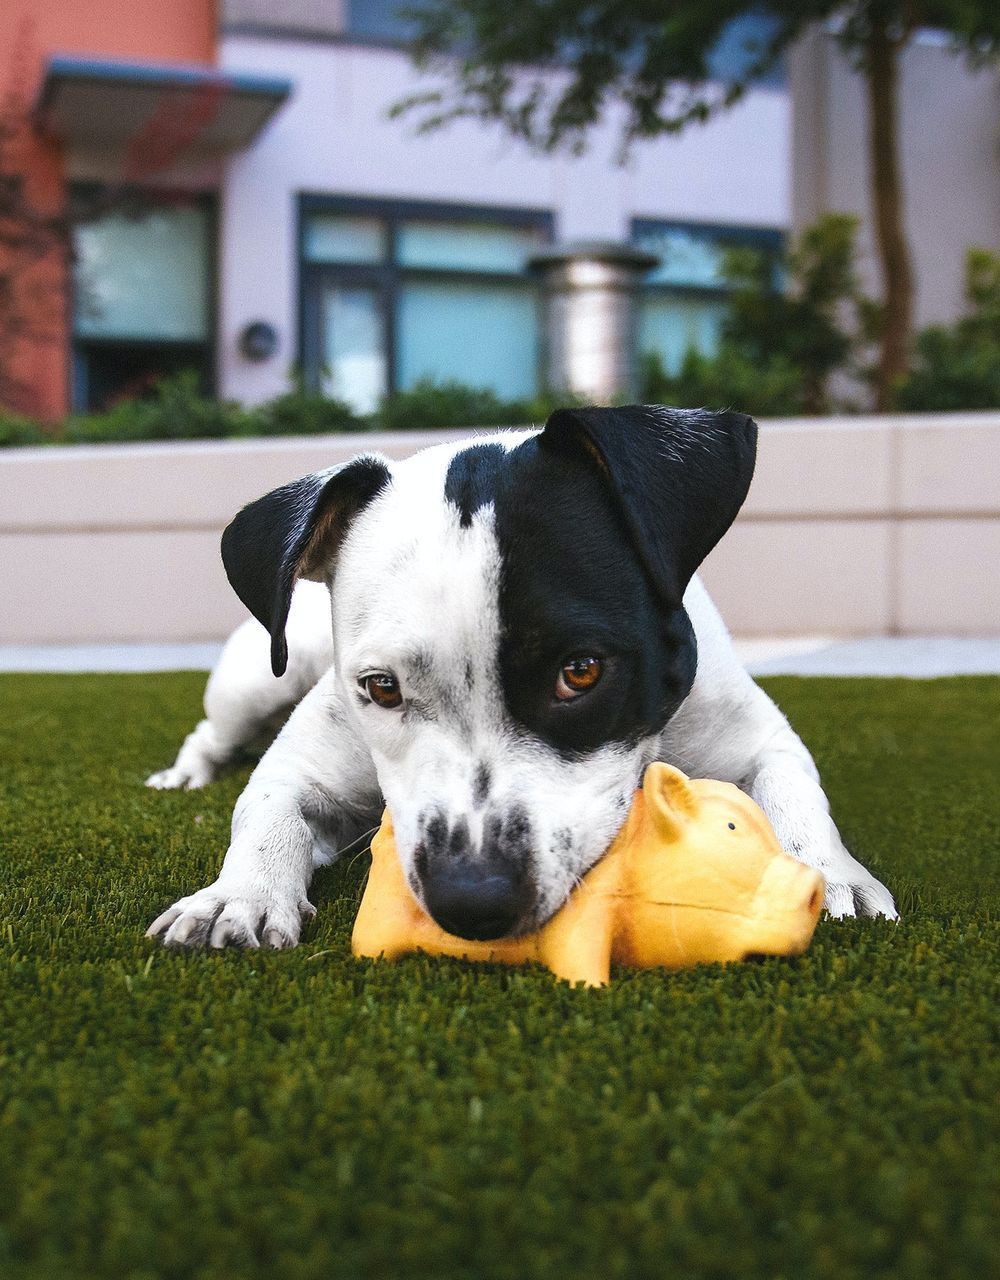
(259, 340)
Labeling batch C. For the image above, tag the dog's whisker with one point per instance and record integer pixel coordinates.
(361, 839)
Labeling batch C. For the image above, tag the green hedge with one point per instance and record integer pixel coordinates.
(177, 411)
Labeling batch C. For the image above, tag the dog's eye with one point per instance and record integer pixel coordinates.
(383, 689)
(577, 676)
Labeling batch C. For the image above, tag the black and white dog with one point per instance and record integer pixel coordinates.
(517, 633)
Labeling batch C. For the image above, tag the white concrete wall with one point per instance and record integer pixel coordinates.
(851, 528)
(334, 137)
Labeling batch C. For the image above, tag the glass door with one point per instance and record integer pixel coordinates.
(346, 336)
(352, 348)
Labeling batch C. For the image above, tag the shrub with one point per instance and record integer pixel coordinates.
(772, 388)
(445, 404)
(958, 366)
(300, 412)
(16, 430)
(778, 349)
(176, 411)
(453, 404)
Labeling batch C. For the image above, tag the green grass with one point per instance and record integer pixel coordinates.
(304, 1115)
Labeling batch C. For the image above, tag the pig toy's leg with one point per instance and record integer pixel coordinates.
(576, 944)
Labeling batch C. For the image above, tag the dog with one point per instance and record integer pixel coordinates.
(517, 632)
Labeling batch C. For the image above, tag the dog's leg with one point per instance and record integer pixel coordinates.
(728, 728)
(245, 704)
(313, 791)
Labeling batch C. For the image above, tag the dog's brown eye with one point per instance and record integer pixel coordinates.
(383, 689)
(577, 676)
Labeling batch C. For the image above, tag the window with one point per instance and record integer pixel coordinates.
(380, 20)
(683, 302)
(393, 294)
(741, 44)
(141, 301)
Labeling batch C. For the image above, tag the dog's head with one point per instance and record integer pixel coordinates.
(509, 632)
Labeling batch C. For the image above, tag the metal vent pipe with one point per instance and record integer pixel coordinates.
(590, 295)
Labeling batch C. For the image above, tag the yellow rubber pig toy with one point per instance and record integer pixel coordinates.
(695, 875)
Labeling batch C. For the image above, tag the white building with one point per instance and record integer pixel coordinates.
(316, 235)
(371, 257)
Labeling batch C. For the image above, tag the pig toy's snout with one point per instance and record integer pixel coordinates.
(786, 907)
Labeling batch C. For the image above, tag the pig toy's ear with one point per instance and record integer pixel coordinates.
(670, 800)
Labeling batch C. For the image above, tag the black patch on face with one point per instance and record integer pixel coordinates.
(471, 478)
(459, 843)
(420, 860)
(435, 839)
(572, 584)
(481, 785)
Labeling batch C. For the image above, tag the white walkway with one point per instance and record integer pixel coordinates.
(799, 655)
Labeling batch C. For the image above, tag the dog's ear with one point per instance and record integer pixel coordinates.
(679, 477)
(291, 533)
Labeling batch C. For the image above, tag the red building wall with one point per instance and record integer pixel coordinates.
(34, 312)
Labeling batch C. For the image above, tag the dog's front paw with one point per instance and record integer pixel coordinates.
(232, 915)
(857, 893)
(184, 777)
(851, 890)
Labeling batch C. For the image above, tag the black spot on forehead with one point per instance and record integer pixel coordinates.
(573, 584)
(472, 478)
(481, 784)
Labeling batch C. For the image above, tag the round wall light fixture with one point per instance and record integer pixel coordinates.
(258, 340)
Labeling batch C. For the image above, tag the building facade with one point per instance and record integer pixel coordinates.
(250, 210)
(382, 256)
(36, 167)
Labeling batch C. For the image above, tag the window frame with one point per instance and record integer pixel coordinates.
(769, 240)
(207, 366)
(765, 239)
(389, 276)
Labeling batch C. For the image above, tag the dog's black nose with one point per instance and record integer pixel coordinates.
(474, 900)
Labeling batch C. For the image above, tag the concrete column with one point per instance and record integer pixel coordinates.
(590, 292)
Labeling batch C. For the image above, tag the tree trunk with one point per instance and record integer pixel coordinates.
(881, 69)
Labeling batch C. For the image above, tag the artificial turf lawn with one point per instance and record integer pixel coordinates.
(302, 1114)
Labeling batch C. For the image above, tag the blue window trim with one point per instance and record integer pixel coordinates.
(389, 275)
(767, 240)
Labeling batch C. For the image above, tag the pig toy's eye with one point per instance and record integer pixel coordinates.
(732, 826)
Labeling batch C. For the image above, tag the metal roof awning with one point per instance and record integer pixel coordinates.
(155, 114)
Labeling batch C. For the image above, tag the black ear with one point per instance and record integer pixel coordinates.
(291, 533)
(679, 477)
